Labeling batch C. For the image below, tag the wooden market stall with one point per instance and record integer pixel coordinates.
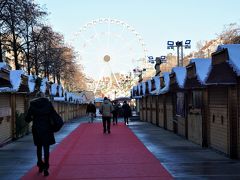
(223, 99)
(165, 107)
(15, 96)
(149, 102)
(6, 126)
(177, 81)
(155, 87)
(197, 101)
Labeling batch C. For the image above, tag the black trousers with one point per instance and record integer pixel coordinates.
(126, 119)
(106, 124)
(115, 119)
(46, 154)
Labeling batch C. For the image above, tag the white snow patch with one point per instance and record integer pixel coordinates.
(54, 89)
(166, 82)
(59, 98)
(15, 79)
(157, 85)
(234, 55)
(31, 83)
(180, 75)
(43, 86)
(203, 67)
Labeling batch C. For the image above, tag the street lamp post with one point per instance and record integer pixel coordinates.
(179, 44)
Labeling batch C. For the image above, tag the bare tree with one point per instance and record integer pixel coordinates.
(230, 34)
(30, 18)
(2, 23)
(12, 11)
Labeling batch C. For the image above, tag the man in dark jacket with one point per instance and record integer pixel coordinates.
(91, 111)
(127, 112)
(40, 112)
(106, 110)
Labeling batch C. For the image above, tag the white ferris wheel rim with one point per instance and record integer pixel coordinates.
(109, 21)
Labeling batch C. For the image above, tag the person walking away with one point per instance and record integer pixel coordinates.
(91, 111)
(127, 112)
(40, 111)
(106, 110)
(115, 113)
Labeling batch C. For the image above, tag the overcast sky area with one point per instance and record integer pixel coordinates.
(157, 21)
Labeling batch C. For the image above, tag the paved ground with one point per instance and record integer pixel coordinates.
(183, 159)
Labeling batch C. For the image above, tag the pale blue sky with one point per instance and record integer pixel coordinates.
(156, 20)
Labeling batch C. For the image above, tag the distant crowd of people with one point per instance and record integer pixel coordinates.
(110, 111)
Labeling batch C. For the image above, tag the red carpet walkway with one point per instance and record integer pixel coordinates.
(87, 153)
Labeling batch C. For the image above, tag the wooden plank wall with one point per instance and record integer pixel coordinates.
(218, 118)
(144, 109)
(195, 126)
(233, 120)
(169, 112)
(161, 110)
(181, 125)
(153, 109)
(18, 102)
(5, 118)
(140, 108)
(215, 125)
(149, 106)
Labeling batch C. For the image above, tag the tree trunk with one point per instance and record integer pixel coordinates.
(27, 54)
(36, 60)
(1, 51)
(58, 79)
(17, 66)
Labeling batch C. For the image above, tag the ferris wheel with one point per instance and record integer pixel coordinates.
(107, 49)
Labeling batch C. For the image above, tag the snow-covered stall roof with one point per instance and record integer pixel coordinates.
(166, 82)
(59, 98)
(135, 88)
(87, 96)
(3, 65)
(143, 87)
(15, 79)
(60, 90)
(73, 97)
(157, 85)
(99, 99)
(181, 74)
(43, 86)
(203, 67)
(139, 87)
(54, 89)
(31, 83)
(234, 55)
(149, 83)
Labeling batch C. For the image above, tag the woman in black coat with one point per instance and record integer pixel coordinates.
(39, 112)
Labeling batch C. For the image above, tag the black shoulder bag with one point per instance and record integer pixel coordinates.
(56, 121)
